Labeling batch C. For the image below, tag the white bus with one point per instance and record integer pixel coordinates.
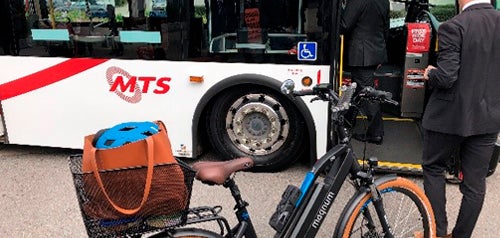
(72, 68)
(211, 70)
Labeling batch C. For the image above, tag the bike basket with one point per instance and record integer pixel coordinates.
(285, 208)
(165, 197)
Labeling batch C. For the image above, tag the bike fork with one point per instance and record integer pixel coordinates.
(379, 208)
(368, 180)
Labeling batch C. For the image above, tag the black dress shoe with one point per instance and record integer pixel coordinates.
(378, 140)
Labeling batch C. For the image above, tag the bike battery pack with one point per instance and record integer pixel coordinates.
(284, 209)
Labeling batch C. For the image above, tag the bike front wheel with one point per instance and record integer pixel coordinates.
(407, 210)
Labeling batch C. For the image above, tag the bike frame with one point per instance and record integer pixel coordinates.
(312, 206)
(245, 225)
(317, 197)
(244, 228)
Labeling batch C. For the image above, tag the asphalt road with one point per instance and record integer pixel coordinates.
(37, 197)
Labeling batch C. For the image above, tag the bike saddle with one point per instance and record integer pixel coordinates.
(217, 172)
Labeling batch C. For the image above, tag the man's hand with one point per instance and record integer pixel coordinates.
(426, 72)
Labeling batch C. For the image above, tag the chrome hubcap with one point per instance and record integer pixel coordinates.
(257, 124)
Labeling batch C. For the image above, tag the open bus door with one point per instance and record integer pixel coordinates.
(412, 46)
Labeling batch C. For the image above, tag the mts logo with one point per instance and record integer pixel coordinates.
(121, 83)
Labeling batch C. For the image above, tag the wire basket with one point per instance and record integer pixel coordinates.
(166, 207)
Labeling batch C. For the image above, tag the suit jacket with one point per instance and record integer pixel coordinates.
(466, 84)
(365, 25)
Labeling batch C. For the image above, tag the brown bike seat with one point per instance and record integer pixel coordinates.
(217, 172)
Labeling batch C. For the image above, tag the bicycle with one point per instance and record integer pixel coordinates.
(387, 206)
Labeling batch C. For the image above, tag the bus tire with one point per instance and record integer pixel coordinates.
(259, 123)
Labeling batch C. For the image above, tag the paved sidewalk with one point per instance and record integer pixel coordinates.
(37, 198)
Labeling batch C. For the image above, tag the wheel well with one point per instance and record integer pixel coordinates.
(201, 145)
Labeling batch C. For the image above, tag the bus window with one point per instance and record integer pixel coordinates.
(193, 30)
(263, 31)
(446, 9)
(396, 42)
(443, 9)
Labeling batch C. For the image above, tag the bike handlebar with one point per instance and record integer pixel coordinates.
(377, 95)
(303, 92)
(325, 93)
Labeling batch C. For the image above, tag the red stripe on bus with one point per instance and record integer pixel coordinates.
(47, 76)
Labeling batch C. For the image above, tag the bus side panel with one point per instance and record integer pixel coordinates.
(61, 113)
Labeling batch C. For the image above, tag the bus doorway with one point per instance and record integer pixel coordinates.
(411, 47)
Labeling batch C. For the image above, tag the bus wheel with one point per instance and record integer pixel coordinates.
(258, 123)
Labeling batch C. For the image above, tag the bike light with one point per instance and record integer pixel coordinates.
(307, 81)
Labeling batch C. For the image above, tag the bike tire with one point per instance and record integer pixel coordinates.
(191, 232)
(414, 216)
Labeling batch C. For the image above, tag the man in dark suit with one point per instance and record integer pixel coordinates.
(365, 25)
(463, 110)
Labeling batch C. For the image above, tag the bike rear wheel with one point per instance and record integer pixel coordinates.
(407, 209)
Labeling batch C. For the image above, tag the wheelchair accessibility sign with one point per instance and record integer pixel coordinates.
(307, 51)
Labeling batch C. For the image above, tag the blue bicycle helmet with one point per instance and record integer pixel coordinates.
(124, 133)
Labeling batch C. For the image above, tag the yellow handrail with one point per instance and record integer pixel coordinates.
(51, 14)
